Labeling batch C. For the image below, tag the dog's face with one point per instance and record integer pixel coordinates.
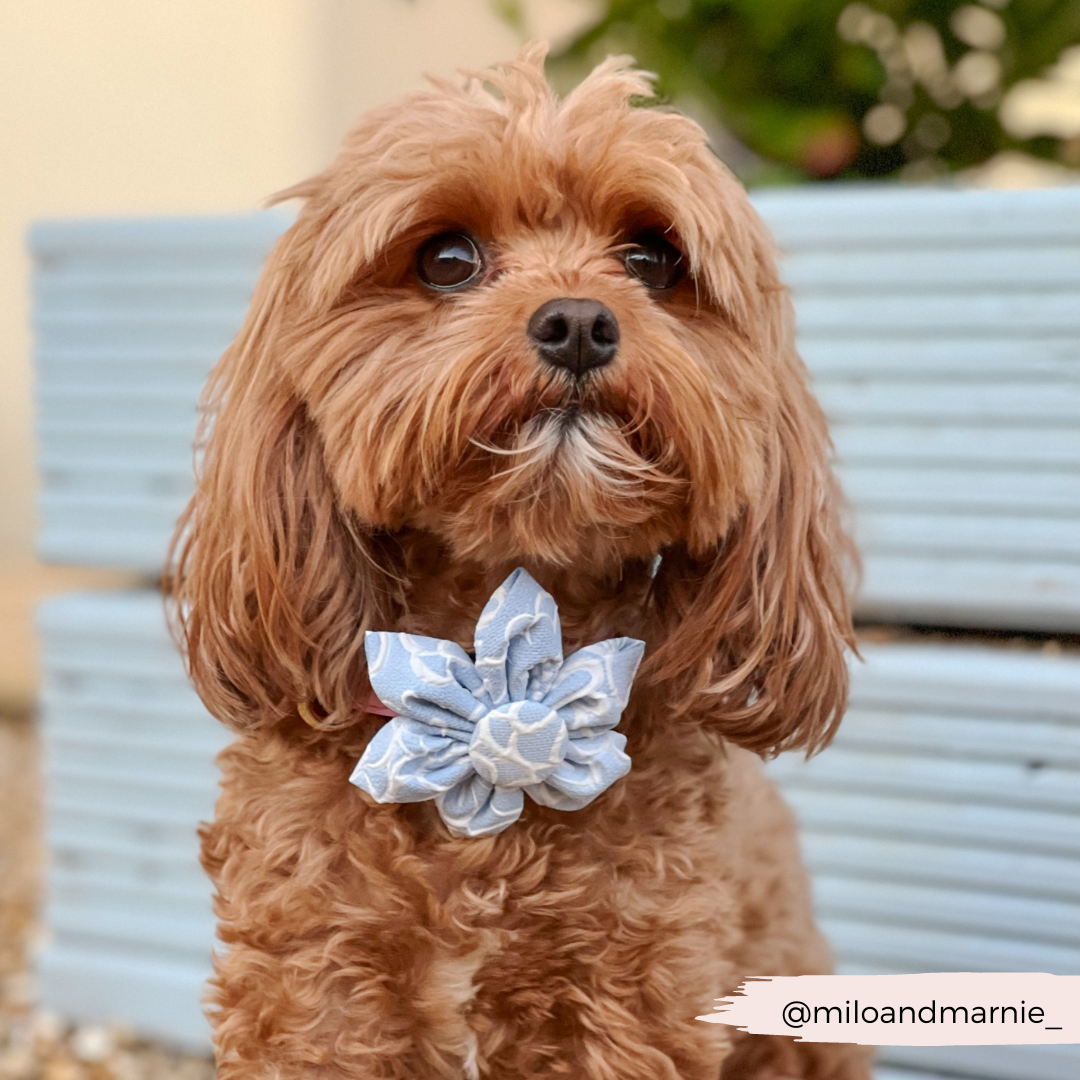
(537, 330)
(523, 331)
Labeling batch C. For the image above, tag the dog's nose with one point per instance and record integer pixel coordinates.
(578, 335)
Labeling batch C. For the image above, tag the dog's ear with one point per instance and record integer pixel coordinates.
(274, 583)
(753, 629)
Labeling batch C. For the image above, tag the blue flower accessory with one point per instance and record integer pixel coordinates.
(476, 736)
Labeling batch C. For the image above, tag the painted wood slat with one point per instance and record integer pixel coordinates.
(1016, 403)
(997, 872)
(79, 833)
(149, 402)
(940, 328)
(167, 374)
(1042, 785)
(1049, 266)
(108, 292)
(188, 766)
(137, 546)
(904, 949)
(73, 887)
(156, 512)
(989, 1062)
(153, 995)
(1001, 828)
(854, 216)
(1010, 313)
(962, 535)
(1025, 741)
(1044, 491)
(124, 863)
(55, 241)
(102, 731)
(976, 356)
(971, 680)
(209, 332)
(1003, 593)
(160, 797)
(918, 862)
(944, 444)
(124, 480)
(132, 929)
(950, 910)
(125, 893)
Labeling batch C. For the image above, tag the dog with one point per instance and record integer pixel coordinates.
(512, 331)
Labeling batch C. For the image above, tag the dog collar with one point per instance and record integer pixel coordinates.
(476, 736)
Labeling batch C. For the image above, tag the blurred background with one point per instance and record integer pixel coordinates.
(147, 107)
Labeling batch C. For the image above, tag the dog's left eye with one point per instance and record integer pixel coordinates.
(656, 263)
(449, 261)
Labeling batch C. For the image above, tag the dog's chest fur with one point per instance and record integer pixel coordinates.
(484, 945)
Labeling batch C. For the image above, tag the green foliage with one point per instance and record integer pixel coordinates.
(828, 88)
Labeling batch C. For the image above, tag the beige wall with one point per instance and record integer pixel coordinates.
(183, 106)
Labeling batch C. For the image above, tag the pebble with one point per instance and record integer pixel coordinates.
(92, 1043)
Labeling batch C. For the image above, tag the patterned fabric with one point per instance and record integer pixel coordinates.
(477, 736)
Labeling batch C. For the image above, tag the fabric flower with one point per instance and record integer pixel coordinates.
(478, 735)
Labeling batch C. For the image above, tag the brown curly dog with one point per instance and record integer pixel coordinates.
(395, 429)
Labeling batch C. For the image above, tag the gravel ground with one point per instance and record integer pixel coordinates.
(36, 1044)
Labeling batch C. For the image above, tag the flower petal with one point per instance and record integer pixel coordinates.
(427, 679)
(518, 641)
(475, 808)
(408, 762)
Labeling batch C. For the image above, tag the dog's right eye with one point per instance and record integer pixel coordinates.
(449, 261)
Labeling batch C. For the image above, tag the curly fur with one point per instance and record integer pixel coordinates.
(379, 457)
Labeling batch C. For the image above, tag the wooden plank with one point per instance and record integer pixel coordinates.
(1039, 784)
(886, 1072)
(990, 1062)
(171, 405)
(971, 592)
(979, 403)
(120, 480)
(957, 270)
(967, 680)
(170, 446)
(57, 242)
(948, 910)
(209, 331)
(100, 889)
(157, 995)
(901, 217)
(1007, 491)
(138, 932)
(154, 798)
(963, 535)
(1023, 740)
(156, 866)
(193, 767)
(124, 371)
(135, 548)
(975, 356)
(995, 827)
(997, 872)
(154, 831)
(906, 949)
(947, 444)
(119, 291)
(145, 722)
(1009, 313)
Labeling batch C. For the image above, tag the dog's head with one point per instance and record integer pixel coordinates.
(537, 331)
